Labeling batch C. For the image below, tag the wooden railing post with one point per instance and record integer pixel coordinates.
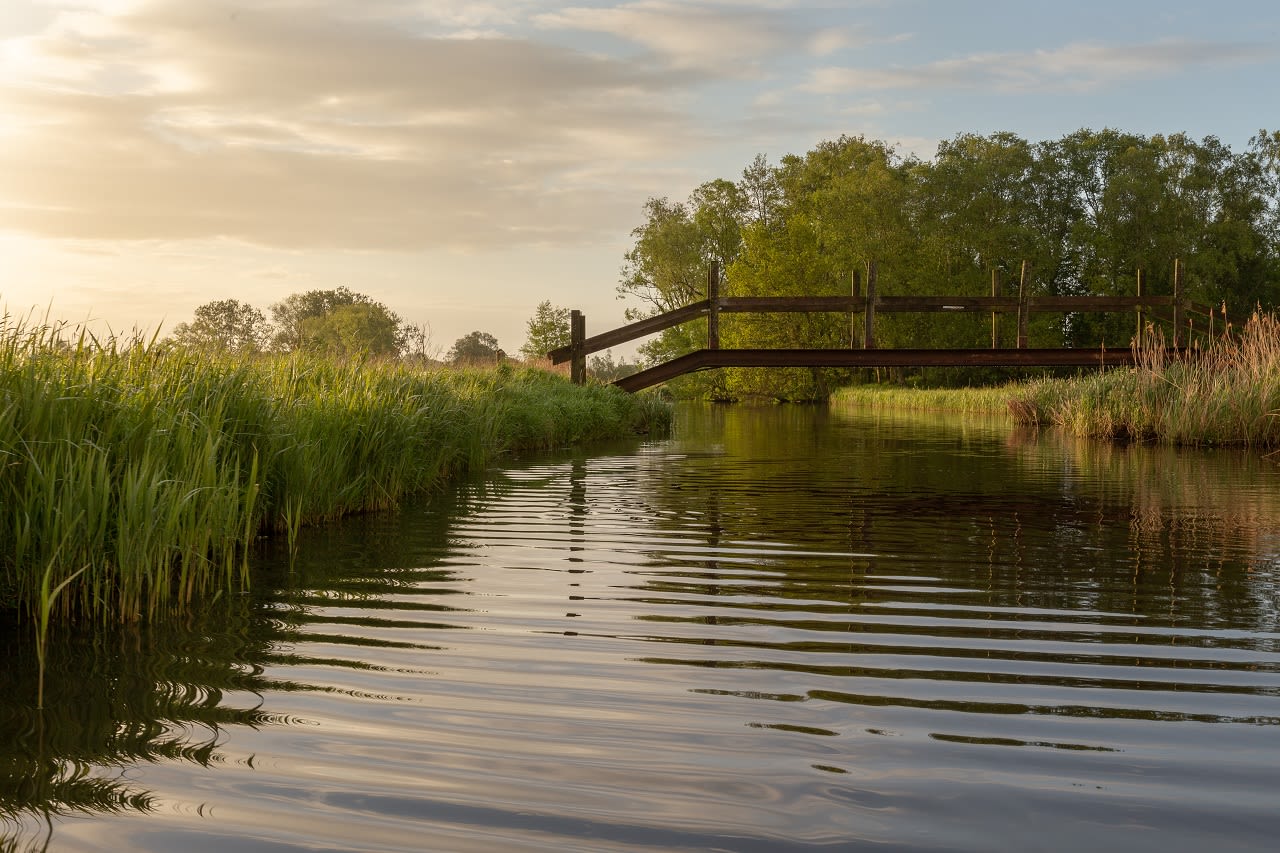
(1142, 316)
(995, 315)
(869, 313)
(855, 290)
(1023, 307)
(577, 340)
(1177, 303)
(713, 306)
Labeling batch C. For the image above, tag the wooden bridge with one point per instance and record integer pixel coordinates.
(863, 309)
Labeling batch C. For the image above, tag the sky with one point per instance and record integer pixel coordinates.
(462, 161)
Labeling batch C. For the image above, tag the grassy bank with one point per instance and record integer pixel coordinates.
(1227, 394)
(993, 400)
(135, 477)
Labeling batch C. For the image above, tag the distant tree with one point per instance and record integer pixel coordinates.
(226, 325)
(417, 342)
(359, 329)
(339, 322)
(605, 369)
(547, 329)
(476, 348)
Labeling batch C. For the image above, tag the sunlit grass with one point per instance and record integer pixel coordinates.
(135, 477)
(990, 400)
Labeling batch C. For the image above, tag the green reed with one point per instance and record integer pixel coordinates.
(1224, 393)
(134, 477)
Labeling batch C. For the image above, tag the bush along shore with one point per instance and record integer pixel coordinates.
(1225, 393)
(136, 476)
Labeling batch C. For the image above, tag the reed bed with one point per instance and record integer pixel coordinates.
(134, 477)
(1227, 393)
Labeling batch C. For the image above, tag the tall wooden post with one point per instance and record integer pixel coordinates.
(1023, 296)
(577, 342)
(1142, 316)
(855, 289)
(995, 315)
(869, 313)
(1177, 303)
(713, 306)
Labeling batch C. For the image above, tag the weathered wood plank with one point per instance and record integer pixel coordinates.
(707, 359)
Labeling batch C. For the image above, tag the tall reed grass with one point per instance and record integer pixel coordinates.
(1226, 393)
(134, 477)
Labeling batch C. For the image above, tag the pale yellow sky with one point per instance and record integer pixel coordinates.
(463, 161)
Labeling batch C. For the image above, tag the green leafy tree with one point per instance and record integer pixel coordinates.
(355, 330)
(839, 208)
(546, 330)
(300, 323)
(226, 325)
(475, 348)
(760, 193)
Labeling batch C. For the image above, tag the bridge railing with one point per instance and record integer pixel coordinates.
(1176, 310)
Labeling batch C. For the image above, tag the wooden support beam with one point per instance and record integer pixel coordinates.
(995, 315)
(1023, 307)
(577, 341)
(869, 311)
(855, 290)
(713, 306)
(1142, 318)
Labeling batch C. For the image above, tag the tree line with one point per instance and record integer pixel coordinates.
(339, 323)
(1085, 212)
(344, 324)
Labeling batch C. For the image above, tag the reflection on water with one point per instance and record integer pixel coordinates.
(785, 628)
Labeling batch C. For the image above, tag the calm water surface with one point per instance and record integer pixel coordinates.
(784, 628)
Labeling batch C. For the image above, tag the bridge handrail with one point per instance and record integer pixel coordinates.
(631, 331)
(882, 304)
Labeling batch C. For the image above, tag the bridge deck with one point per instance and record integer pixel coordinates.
(711, 358)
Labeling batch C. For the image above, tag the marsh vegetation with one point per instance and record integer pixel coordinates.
(137, 476)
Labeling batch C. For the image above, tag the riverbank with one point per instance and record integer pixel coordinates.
(1227, 394)
(136, 477)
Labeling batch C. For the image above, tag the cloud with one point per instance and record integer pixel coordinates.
(730, 40)
(1076, 67)
(175, 120)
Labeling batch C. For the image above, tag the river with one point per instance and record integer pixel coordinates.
(783, 628)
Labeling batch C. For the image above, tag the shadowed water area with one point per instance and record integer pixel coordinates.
(784, 628)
